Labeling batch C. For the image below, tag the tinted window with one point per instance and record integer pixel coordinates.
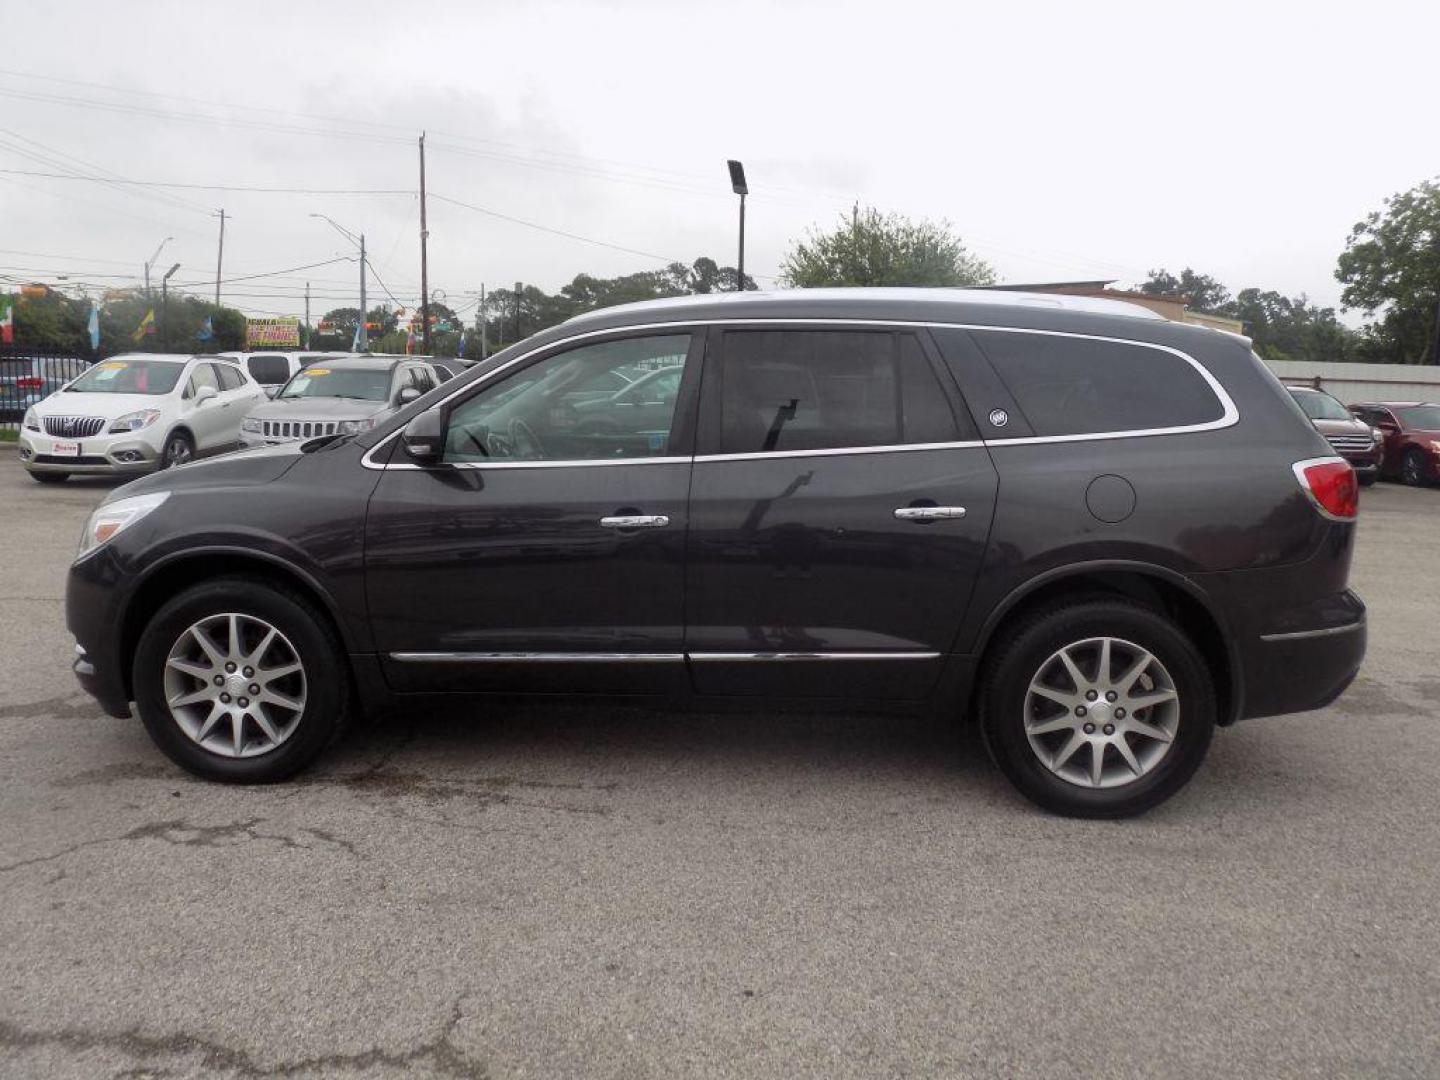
(1424, 417)
(1320, 406)
(269, 370)
(421, 378)
(826, 389)
(129, 377)
(1081, 386)
(364, 384)
(572, 407)
(230, 377)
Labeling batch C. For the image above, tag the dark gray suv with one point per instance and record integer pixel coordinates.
(1096, 533)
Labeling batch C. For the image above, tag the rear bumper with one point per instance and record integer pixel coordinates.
(1301, 670)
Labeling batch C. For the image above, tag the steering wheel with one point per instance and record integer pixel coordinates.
(522, 438)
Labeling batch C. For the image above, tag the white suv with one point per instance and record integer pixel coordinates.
(135, 413)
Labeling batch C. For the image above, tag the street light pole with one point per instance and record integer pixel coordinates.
(151, 262)
(165, 308)
(738, 185)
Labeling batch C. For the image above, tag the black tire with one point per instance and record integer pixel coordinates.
(327, 681)
(178, 449)
(1368, 480)
(50, 477)
(1025, 649)
(1412, 468)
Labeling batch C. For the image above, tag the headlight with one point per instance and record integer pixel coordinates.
(1377, 434)
(32, 422)
(252, 424)
(354, 427)
(134, 421)
(111, 518)
(1435, 446)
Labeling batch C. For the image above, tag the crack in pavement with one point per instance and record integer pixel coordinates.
(438, 1056)
(182, 834)
(69, 706)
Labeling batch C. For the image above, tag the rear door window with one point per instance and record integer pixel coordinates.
(230, 377)
(1068, 385)
(269, 370)
(789, 390)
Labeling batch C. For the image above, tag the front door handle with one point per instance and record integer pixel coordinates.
(929, 513)
(635, 521)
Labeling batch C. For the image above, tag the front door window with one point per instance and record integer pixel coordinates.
(605, 401)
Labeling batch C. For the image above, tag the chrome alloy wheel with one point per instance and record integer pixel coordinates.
(1101, 713)
(235, 685)
(177, 452)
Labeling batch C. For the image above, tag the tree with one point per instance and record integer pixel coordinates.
(1204, 292)
(341, 324)
(872, 248)
(1391, 270)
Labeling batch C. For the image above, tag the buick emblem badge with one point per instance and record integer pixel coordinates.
(999, 417)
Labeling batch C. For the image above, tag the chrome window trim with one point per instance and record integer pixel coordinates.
(1230, 415)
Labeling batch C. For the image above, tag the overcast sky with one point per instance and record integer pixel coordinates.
(1062, 141)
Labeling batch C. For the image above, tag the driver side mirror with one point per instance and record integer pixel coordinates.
(204, 394)
(424, 437)
(407, 394)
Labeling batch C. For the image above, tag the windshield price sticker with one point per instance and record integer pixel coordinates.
(113, 365)
(314, 371)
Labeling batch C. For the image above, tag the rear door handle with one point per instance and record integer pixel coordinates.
(929, 513)
(635, 521)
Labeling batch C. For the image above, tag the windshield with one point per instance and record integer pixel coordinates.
(129, 377)
(1320, 406)
(363, 384)
(1424, 417)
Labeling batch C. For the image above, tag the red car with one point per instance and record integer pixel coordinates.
(1412, 438)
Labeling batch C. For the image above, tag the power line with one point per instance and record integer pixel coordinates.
(214, 187)
(556, 232)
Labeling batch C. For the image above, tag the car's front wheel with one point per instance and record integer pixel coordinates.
(1412, 468)
(240, 681)
(1098, 709)
(179, 448)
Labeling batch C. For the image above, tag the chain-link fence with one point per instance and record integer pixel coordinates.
(27, 375)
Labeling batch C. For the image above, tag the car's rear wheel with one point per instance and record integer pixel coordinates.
(179, 448)
(1098, 709)
(50, 477)
(241, 681)
(1412, 468)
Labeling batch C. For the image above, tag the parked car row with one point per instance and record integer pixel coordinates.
(1394, 439)
(142, 412)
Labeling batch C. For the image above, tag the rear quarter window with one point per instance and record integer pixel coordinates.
(1088, 386)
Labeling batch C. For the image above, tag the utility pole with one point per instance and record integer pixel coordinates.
(424, 266)
(307, 314)
(364, 311)
(518, 286)
(220, 257)
(165, 308)
(480, 320)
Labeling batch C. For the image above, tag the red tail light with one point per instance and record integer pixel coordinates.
(29, 382)
(1330, 483)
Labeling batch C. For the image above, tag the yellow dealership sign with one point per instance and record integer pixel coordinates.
(272, 332)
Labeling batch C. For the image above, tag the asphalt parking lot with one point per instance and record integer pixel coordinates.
(543, 891)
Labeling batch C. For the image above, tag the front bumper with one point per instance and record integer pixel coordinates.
(127, 454)
(106, 691)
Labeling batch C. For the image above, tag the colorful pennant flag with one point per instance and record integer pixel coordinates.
(207, 329)
(7, 319)
(147, 326)
(94, 327)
